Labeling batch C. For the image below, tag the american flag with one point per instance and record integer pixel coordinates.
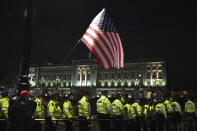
(103, 40)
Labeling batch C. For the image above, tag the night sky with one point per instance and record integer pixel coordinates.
(148, 29)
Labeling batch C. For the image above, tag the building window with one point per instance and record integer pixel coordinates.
(132, 75)
(160, 75)
(154, 75)
(112, 75)
(119, 75)
(78, 76)
(148, 75)
(88, 76)
(99, 76)
(83, 75)
(160, 68)
(125, 75)
(105, 75)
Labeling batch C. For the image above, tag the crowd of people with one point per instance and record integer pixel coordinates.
(25, 112)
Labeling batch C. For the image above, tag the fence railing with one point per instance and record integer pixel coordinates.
(94, 123)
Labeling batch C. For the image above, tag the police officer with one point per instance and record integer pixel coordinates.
(146, 116)
(170, 113)
(84, 111)
(69, 111)
(138, 112)
(117, 112)
(4, 104)
(177, 113)
(54, 111)
(39, 113)
(129, 116)
(189, 115)
(161, 115)
(153, 115)
(104, 110)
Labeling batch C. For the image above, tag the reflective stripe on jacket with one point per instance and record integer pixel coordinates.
(117, 107)
(39, 112)
(103, 105)
(54, 111)
(68, 109)
(4, 102)
(84, 108)
(161, 109)
(169, 108)
(138, 109)
(190, 107)
(176, 106)
(130, 111)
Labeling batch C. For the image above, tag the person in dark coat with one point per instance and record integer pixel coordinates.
(20, 112)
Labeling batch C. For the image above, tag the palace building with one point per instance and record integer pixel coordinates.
(138, 78)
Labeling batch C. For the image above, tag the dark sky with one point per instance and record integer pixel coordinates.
(148, 28)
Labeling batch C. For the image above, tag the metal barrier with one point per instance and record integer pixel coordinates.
(94, 123)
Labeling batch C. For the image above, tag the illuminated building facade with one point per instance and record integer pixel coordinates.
(136, 79)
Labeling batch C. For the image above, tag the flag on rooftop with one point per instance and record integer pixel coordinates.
(103, 40)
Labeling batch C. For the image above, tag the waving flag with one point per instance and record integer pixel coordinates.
(103, 40)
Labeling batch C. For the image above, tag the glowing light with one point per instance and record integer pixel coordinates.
(67, 84)
(129, 83)
(146, 83)
(163, 83)
(88, 83)
(109, 84)
(115, 83)
(102, 84)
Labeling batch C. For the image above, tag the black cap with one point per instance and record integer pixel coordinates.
(104, 92)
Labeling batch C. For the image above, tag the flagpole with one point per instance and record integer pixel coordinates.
(25, 59)
(69, 53)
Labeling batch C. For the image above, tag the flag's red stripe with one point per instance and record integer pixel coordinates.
(100, 48)
(103, 40)
(122, 51)
(94, 52)
(117, 53)
(111, 43)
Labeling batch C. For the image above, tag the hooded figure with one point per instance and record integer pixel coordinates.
(20, 112)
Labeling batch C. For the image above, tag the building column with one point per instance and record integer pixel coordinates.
(85, 77)
(151, 78)
(81, 77)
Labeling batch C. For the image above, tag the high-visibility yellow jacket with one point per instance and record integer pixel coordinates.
(130, 112)
(54, 110)
(152, 112)
(161, 109)
(68, 110)
(84, 108)
(169, 108)
(122, 100)
(146, 110)
(117, 108)
(176, 106)
(103, 105)
(4, 104)
(190, 107)
(39, 112)
(138, 109)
